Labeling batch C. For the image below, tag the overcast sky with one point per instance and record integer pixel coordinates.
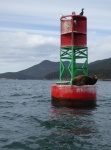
(30, 30)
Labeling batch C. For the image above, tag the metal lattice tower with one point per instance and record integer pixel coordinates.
(73, 45)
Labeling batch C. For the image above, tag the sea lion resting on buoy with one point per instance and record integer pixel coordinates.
(84, 80)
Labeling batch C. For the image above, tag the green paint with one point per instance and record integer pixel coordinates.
(72, 54)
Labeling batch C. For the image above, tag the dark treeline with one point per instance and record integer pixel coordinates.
(101, 74)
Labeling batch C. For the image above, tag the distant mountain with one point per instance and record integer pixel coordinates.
(104, 64)
(38, 71)
(101, 68)
(35, 72)
(50, 70)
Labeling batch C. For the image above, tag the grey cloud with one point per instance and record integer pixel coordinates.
(22, 45)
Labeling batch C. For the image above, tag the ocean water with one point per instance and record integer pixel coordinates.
(28, 121)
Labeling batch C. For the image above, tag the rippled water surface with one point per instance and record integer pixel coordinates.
(28, 121)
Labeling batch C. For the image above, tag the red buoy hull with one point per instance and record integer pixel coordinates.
(73, 96)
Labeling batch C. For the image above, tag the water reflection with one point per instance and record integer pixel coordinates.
(70, 128)
(74, 121)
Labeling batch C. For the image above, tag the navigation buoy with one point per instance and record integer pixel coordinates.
(73, 47)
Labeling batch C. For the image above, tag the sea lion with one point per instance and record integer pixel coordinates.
(84, 80)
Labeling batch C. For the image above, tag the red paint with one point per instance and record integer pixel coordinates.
(73, 30)
(74, 92)
(69, 95)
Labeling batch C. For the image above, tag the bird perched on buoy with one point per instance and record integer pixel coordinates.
(73, 13)
(82, 12)
(84, 80)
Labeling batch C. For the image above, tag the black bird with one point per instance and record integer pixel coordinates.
(73, 13)
(82, 12)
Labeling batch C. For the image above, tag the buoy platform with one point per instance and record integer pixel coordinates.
(73, 96)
